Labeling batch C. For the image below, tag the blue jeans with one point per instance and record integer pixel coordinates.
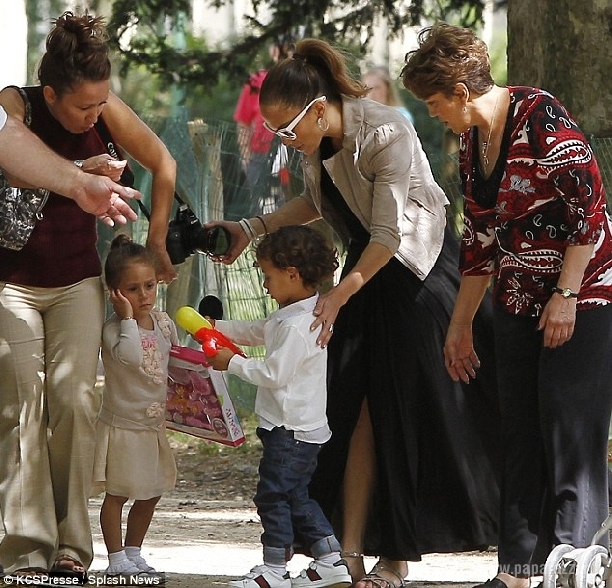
(282, 500)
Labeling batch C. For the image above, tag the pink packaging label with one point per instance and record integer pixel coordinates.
(198, 402)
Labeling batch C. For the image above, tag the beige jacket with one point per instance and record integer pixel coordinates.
(384, 175)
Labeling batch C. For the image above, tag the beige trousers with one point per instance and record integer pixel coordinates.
(49, 346)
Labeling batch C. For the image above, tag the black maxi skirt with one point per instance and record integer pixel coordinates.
(436, 441)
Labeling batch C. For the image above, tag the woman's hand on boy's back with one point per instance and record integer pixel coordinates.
(221, 359)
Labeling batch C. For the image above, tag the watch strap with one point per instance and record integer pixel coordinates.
(565, 292)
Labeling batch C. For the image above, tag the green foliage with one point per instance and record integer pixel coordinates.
(39, 24)
(150, 33)
(499, 62)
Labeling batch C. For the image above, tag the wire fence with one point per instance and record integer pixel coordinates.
(602, 147)
(217, 184)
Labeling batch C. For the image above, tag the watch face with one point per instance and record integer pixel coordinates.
(565, 292)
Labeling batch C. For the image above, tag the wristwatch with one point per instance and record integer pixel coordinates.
(565, 292)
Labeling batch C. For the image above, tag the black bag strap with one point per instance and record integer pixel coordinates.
(127, 177)
(27, 118)
(27, 121)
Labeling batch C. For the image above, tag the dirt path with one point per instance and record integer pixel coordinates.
(206, 531)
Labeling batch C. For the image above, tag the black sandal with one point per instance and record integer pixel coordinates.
(69, 567)
(27, 572)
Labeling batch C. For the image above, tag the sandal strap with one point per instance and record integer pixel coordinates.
(355, 554)
(377, 580)
(380, 567)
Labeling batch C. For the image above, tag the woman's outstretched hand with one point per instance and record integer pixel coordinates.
(239, 241)
(100, 196)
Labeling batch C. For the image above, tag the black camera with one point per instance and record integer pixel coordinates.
(186, 235)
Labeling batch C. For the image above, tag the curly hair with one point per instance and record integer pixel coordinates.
(303, 248)
(447, 55)
(76, 50)
(315, 69)
(123, 253)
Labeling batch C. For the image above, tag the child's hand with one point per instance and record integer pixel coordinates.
(121, 304)
(221, 359)
(211, 321)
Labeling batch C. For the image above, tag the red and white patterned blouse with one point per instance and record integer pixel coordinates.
(545, 194)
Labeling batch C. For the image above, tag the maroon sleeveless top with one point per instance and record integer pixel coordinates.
(62, 248)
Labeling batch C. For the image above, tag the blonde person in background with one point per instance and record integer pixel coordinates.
(52, 304)
(383, 89)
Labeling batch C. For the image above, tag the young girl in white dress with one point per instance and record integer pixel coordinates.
(133, 458)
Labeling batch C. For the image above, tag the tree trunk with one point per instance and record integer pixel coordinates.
(562, 46)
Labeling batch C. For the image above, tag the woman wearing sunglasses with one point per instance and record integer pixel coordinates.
(407, 458)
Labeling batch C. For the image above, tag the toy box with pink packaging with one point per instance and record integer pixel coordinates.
(198, 402)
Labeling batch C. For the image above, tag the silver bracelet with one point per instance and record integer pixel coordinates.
(248, 229)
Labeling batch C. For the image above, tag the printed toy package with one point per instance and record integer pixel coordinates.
(198, 402)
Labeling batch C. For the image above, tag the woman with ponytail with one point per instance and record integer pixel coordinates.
(407, 470)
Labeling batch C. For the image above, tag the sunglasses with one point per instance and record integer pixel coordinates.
(287, 132)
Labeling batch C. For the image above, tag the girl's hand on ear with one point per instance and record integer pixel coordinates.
(121, 304)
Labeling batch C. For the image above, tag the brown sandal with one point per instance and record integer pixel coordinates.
(379, 581)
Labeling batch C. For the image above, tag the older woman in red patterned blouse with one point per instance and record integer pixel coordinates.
(536, 222)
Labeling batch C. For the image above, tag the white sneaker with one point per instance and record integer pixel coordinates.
(141, 563)
(262, 577)
(147, 571)
(319, 574)
(128, 569)
(123, 568)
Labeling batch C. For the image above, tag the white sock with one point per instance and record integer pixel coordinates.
(330, 558)
(279, 570)
(117, 558)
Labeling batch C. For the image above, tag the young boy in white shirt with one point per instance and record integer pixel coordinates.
(291, 404)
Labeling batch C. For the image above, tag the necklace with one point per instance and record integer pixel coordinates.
(485, 144)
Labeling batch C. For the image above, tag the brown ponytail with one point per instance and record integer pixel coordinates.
(315, 69)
